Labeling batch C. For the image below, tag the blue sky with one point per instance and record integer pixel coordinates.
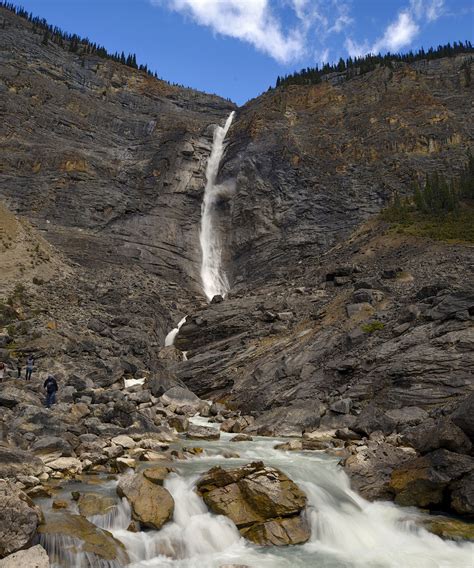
(237, 48)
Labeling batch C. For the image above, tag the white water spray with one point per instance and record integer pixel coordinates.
(169, 339)
(214, 279)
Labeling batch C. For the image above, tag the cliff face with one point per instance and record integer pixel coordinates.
(311, 163)
(109, 161)
(108, 165)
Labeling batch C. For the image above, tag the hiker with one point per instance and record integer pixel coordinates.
(51, 387)
(2, 370)
(30, 362)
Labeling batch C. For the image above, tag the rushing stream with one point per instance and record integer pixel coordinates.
(347, 531)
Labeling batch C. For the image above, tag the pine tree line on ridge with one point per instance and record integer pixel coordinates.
(352, 67)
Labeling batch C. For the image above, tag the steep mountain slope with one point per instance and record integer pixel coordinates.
(109, 165)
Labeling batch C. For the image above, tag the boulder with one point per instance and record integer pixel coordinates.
(91, 504)
(179, 423)
(434, 434)
(373, 419)
(50, 444)
(79, 534)
(370, 466)
(34, 557)
(10, 396)
(448, 528)
(242, 438)
(14, 462)
(202, 433)
(262, 501)
(407, 417)
(156, 474)
(462, 495)
(278, 532)
(422, 482)
(463, 416)
(342, 406)
(19, 519)
(152, 505)
(179, 396)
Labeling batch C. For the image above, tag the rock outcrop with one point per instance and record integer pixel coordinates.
(262, 501)
(152, 505)
(19, 519)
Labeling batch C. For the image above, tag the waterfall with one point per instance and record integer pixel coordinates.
(214, 279)
(169, 339)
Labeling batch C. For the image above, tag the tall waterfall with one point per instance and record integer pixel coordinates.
(214, 279)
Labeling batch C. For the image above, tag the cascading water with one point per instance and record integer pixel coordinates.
(346, 530)
(214, 279)
(169, 339)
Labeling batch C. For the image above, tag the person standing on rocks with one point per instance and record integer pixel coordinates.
(51, 387)
(30, 363)
(2, 370)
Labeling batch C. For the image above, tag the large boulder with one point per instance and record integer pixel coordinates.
(262, 501)
(370, 466)
(373, 419)
(50, 444)
(19, 519)
(202, 433)
(291, 420)
(407, 417)
(434, 434)
(80, 535)
(462, 495)
(152, 505)
(424, 481)
(34, 557)
(14, 462)
(463, 416)
(182, 398)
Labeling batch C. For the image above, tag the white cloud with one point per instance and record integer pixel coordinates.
(401, 32)
(251, 21)
(398, 34)
(258, 23)
(430, 10)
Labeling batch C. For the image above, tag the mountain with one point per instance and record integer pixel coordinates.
(334, 319)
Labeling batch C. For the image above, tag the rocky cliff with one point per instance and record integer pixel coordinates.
(332, 320)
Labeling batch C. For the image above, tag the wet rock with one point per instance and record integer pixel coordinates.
(202, 433)
(85, 536)
(19, 519)
(156, 474)
(422, 482)
(34, 557)
(91, 504)
(242, 438)
(262, 501)
(452, 529)
(152, 505)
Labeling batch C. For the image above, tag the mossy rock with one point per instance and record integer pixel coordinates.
(452, 529)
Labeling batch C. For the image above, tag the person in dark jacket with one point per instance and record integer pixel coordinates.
(51, 387)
